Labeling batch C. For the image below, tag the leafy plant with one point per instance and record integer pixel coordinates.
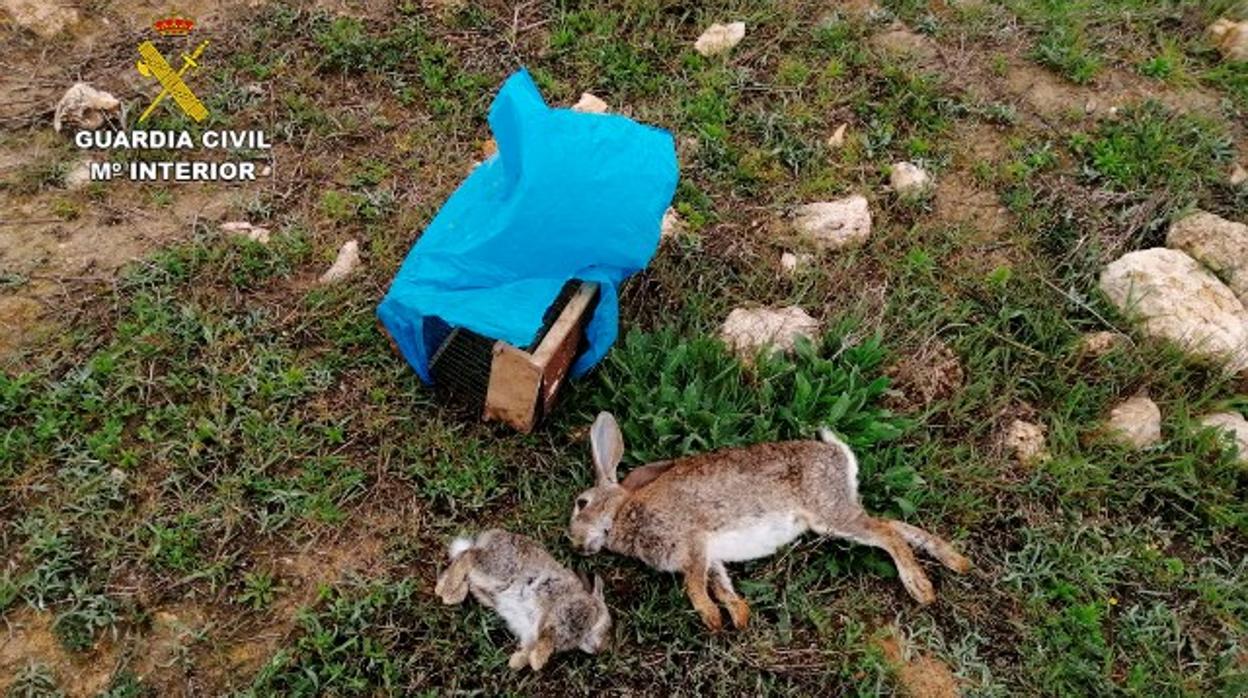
(259, 589)
(1150, 146)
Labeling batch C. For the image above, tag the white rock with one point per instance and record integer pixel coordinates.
(266, 171)
(900, 41)
(1217, 243)
(671, 225)
(1231, 38)
(348, 259)
(909, 180)
(78, 176)
(43, 17)
(1176, 299)
(792, 263)
(719, 38)
(1135, 423)
(1026, 441)
(85, 107)
(590, 104)
(247, 230)
(749, 330)
(1234, 428)
(836, 224)
(1098, 344)
(1238, 175)
(837, 139)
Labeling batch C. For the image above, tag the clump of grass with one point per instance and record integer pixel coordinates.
(905, 111)
(345, 647)
(1149, 146)
(1066, 49)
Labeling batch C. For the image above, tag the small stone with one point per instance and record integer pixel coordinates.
(348, 259)
(837, 139)
(1174, 298)
(1231, 38)
(748, 331)
(266, 171)
(1135, 423)
(1238, 176)
(247, 230)
(671, 225)
(900, 41)
(836, 224)
(1098, 344)
(1217, 243)
(46, 18)
(1234, 429)
(78, 176)
(84, 107)
(791, 263)
(1026, 441)
(590, 104)
(719, 38)
(909, 180)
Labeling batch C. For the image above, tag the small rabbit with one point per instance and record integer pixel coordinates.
(692, 515)
(545, 604)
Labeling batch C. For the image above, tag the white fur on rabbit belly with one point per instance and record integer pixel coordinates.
(517, 605)
(755, 537)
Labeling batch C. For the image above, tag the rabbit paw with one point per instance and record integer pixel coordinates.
(518, 660)
(712, 619)
(921, 589)
(739, 611)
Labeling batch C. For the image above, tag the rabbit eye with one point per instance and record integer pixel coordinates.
(582, 502)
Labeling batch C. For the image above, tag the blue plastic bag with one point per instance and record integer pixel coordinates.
(567, 196)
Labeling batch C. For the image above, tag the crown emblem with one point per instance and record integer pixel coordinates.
(174, 26)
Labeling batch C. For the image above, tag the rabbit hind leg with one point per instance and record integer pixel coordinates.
(931, 544)
(721, 587)
(875, 532)
(695, 571)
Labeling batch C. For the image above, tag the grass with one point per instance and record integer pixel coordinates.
(217, 438)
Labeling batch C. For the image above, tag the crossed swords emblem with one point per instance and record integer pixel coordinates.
(154, 64)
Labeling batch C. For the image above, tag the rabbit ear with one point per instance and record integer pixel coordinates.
(607, 446)
(598, 588)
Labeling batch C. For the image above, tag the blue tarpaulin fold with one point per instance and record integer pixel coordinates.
(567, 196)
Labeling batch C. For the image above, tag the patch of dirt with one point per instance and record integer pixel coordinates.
(959, 199)
(1051, 95)
(920, 675)
(27, 638)
(174, 630)
(932, 373)
(55, 261)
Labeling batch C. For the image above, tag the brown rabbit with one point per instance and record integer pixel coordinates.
(692, 515)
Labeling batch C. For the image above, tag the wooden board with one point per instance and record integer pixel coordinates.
(515, 382)
(558, 348)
